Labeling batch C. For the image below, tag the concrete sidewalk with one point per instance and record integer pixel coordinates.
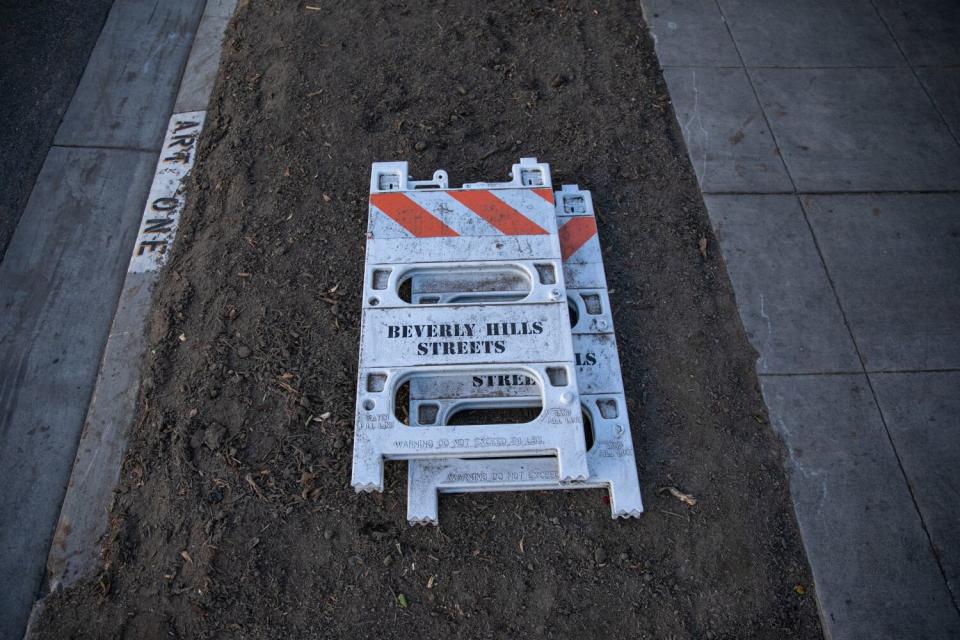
(825, 139)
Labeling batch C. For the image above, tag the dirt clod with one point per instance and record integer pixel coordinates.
(599, 555)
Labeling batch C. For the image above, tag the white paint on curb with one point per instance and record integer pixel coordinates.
(161, 215)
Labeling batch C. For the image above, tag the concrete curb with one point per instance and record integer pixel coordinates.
(75, 551)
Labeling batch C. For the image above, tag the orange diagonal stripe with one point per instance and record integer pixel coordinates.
(498, 213)
(546, 194)
(411, 216)
(575, 234)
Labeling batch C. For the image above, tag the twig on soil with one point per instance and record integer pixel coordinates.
(256, 488)
(671, 513)
(685, 498)
(495, 151)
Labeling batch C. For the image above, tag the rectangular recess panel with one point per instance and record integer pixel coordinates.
(503, 236)
(610, 455)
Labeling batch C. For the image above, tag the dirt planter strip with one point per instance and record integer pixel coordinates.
(240, 460)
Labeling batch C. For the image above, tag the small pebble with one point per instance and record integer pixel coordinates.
(243, 351)
(600, 556)
(420, 146)
(327, 534)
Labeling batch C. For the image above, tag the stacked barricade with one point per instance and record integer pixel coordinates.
(489, 301)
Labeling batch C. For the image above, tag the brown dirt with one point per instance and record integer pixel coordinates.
(235, 516)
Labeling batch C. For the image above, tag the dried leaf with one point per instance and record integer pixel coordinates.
(686, 498)
(702, 245)
(186, 556)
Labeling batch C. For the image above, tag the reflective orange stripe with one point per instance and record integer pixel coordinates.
(499, 214)
(411, 216)
(546, 194)
(575, 233)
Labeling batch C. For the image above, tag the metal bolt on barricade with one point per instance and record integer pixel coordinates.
(499, 243)
(610, 456)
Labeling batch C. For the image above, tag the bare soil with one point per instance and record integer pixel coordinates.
(235, 517)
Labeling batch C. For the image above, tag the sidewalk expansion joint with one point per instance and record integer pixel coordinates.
(873, 192)
(803, 374)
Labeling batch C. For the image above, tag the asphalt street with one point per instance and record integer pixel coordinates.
(44, 47)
